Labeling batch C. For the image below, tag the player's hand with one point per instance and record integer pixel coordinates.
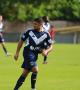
(44, 53)
(16, 56)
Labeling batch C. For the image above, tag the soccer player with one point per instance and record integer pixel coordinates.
(1, 37)
(36, 38)
(46, 27)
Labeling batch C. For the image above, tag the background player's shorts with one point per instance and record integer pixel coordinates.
(1, 39)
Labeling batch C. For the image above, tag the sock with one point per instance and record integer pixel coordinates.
(19, 82)
(45, 58)
(33, 79)
(4, 49)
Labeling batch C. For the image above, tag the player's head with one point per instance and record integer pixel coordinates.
(45, 19)
(37, 23)
(0, 18)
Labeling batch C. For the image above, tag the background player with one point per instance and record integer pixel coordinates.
(37, 37)
(1, 37)
(49, 28)
(46, 27)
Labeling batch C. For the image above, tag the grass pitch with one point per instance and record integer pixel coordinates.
(61, 73)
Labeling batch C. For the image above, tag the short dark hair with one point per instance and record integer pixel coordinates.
(39, 20)
(45, 18)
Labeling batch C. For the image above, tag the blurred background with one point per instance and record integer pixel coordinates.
(63, 14)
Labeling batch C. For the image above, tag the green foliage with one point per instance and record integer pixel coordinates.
(29, 9)
(21, 12)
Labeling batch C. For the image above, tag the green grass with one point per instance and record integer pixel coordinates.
(61, 73)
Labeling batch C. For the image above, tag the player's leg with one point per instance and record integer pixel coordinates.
(33, 77)
(45, 60)
(21, 79)
(4, 48)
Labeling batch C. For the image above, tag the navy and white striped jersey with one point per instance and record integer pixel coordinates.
(36, 40)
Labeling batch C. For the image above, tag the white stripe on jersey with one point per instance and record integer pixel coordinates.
(37, 40)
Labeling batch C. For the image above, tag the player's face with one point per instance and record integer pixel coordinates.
(37, 25)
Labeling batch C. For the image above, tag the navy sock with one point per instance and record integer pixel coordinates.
(45, 58)
(19, 82)
(33, 79)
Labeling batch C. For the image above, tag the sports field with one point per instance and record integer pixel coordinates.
(61, 73)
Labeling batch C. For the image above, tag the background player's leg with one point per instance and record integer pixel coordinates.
(45, 59)
(4, 48)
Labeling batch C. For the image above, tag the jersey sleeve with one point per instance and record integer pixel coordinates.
(25, 35)
(48, 40)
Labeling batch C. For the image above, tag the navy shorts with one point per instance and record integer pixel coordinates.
(30, 59)
(29, 65)
(1, 39)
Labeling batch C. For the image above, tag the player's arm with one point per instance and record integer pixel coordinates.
(49, 49)
(20, 43)
(46, 51)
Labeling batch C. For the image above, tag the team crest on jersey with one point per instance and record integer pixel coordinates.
(37, 40)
